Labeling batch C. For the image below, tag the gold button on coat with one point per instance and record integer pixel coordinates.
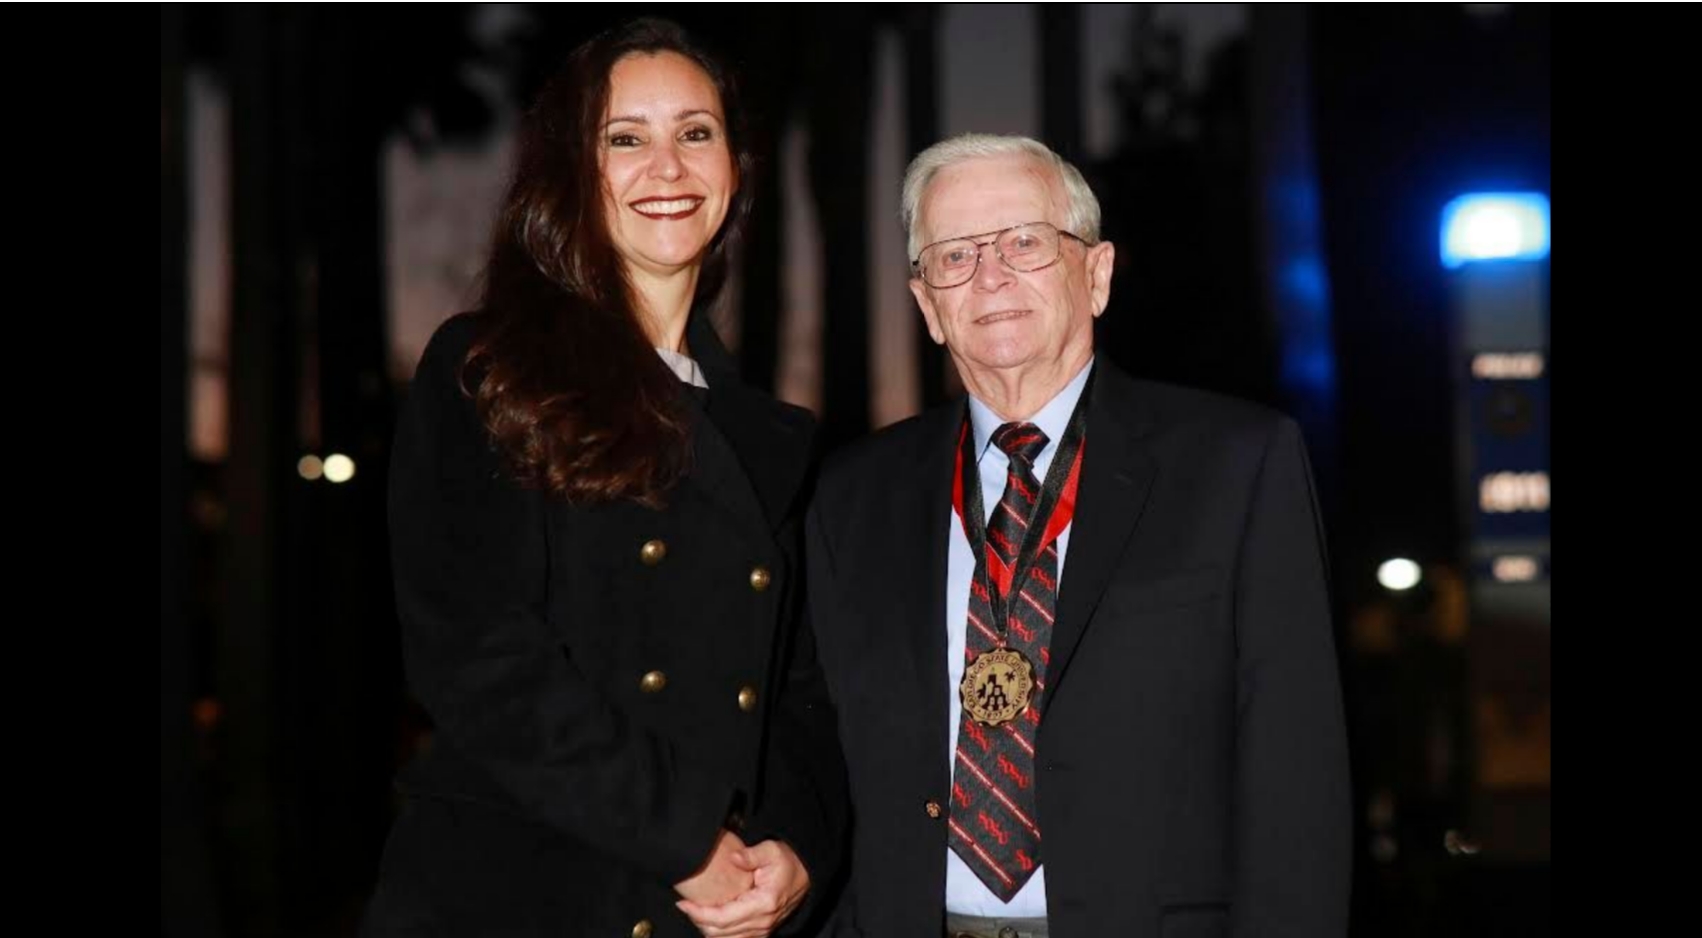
(652, 682)
(652, 552)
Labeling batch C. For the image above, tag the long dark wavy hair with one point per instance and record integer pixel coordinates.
(563, 373)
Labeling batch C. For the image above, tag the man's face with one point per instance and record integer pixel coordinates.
(1002, 318)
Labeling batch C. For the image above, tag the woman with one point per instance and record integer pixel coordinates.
(593, 533)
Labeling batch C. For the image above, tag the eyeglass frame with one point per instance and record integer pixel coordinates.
(916, 263)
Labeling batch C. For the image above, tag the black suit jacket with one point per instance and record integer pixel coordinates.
(564, 792)
(1191, 763)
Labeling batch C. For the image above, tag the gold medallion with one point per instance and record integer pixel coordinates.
(997, 686)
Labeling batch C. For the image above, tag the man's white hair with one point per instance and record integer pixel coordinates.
(1081, 216)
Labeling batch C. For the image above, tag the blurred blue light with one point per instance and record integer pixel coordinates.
(1495, 226)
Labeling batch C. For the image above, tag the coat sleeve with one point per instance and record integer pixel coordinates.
(1293, 832)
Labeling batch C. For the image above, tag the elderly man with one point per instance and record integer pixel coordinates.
(1076, 628)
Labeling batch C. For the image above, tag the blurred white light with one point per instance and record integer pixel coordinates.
(1507, 365)
(1398, 574)
(339, 468)
(1515, 568)
(1507, 492)
(310, 468)
(1495, 226)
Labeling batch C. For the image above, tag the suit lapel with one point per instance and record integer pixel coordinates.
(1117, 474)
